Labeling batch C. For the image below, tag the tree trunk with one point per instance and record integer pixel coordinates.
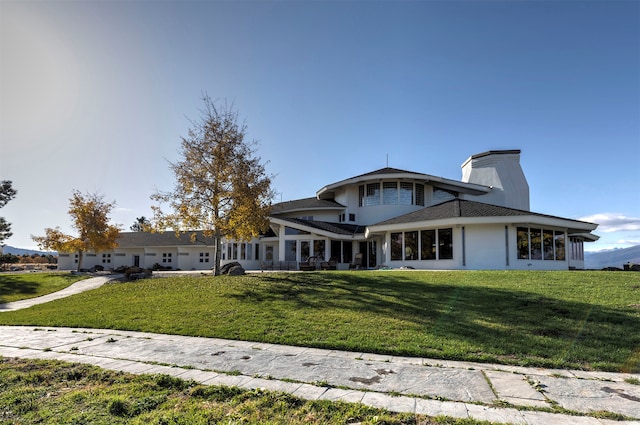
(217, 254)
(80, 259)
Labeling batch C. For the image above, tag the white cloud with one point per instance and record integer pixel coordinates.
(630, 242)
(612, 222)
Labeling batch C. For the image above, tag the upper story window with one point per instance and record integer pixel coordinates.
(441, 195)
(291, 231)
(390, 193)
(373, 195)
(393, 193)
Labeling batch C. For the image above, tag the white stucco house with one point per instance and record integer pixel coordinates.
(388, 217)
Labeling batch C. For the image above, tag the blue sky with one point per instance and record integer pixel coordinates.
(96, 95)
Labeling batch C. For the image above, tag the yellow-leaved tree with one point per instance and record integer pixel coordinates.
(221, 187)
(90, 217)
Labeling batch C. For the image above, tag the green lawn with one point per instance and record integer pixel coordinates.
(20, 286)
(52, 392)
(588, 320)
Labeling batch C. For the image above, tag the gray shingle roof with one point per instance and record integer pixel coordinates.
(304, 204)
(458, 208)
(149, 239)
(387, 170)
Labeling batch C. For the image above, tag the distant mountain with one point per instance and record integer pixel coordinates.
(19, 251)
(612, 258)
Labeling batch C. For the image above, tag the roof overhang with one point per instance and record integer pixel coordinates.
(277, 222)
(573, 227)
(586, 237)
(328, 192)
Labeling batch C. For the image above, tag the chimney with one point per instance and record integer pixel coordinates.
(501, 170)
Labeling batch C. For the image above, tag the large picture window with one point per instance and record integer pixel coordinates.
(432, 244)
(540, 244)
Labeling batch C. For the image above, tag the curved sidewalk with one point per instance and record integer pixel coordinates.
(75, 288)
(401, 384)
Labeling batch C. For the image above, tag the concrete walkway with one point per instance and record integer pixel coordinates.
(75, 288)
(402, 384)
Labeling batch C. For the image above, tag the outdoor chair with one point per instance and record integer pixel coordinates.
(309, 264)
(357, 262)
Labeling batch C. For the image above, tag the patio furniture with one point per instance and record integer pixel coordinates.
(357, 262)
(309, 264)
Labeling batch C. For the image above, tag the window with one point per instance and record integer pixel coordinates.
(535, 244)
(441, 195)
(420, 194)
(548, 252)
(432, 244)
(106, 258)
(268, 252)
(318, 248)
(396, 246)
(540, 244)
(204, 257)
(292, 232)
(352, 217)
(229, 248)
(406, 193)
(305, 250)
(559, 244)
(445, 244)
(395, 193)
(411, 245)
(523, 243)
(290, 250)
(373, 194)
(243, 251)
(257, 252)
(166, 257)
(341, 251)
(389, 193)
(234, 251)
(428, 245)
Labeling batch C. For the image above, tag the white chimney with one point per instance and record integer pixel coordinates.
(501, 171)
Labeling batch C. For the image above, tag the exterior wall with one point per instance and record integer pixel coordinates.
(485, 247)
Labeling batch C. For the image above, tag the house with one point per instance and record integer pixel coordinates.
(394, 218)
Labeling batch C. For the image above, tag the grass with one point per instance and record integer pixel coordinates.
(20, 286)
(52, 392)
(583, 320)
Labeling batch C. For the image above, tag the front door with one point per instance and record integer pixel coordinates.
(136, 261)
